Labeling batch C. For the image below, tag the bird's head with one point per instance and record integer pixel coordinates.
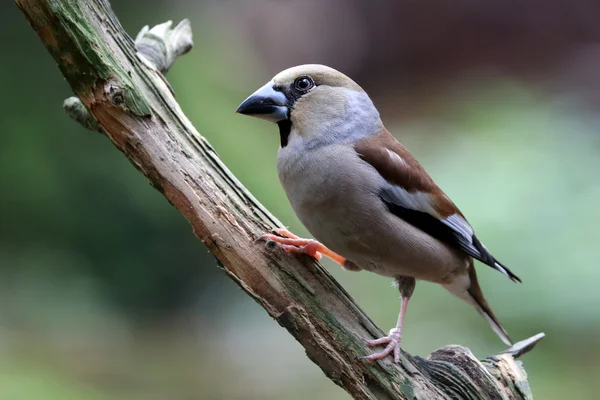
(315, 103)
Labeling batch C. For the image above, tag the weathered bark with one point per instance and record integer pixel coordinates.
(131, 102)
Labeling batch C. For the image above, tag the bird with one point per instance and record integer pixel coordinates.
(368, 203)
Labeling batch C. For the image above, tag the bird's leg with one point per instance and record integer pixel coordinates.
(406, 286)
(294, 244)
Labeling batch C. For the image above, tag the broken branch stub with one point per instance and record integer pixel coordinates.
(158, 48)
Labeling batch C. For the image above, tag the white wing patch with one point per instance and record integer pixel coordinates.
(396, 158)
(417, 201)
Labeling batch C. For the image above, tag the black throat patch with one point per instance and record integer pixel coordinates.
(285, 128)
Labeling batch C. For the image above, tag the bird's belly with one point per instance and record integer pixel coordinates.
(328, 198)
(340, 207)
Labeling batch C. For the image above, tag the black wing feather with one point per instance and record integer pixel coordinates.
(444, 233)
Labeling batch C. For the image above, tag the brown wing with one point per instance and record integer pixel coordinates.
(412, 195)
(395, 163)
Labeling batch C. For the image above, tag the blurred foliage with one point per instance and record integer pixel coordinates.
(105, 293)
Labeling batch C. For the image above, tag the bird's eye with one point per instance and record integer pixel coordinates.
(303, 84)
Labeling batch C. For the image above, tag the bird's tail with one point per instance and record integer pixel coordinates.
(474, 296)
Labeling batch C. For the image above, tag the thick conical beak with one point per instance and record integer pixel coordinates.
(266, 103)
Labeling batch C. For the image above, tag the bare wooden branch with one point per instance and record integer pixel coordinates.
(134, 107)
(158, 47)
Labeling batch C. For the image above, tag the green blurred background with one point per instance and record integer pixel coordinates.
(106, 294)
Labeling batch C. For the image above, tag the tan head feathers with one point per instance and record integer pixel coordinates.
(320, 74)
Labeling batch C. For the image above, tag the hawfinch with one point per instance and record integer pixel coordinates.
(363, 196)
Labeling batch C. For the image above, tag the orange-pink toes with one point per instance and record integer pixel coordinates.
(294, 244)
(305, 246)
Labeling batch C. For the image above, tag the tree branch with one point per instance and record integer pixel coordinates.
(133, 105)
(158, 47)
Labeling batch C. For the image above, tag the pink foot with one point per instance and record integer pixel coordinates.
(393, 345)
(294, 244)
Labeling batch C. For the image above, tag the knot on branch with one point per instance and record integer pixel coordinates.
(114, 93)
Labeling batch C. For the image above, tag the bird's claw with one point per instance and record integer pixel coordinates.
(284, 233)
(293, 244)
(316, 250)
(393, 346)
